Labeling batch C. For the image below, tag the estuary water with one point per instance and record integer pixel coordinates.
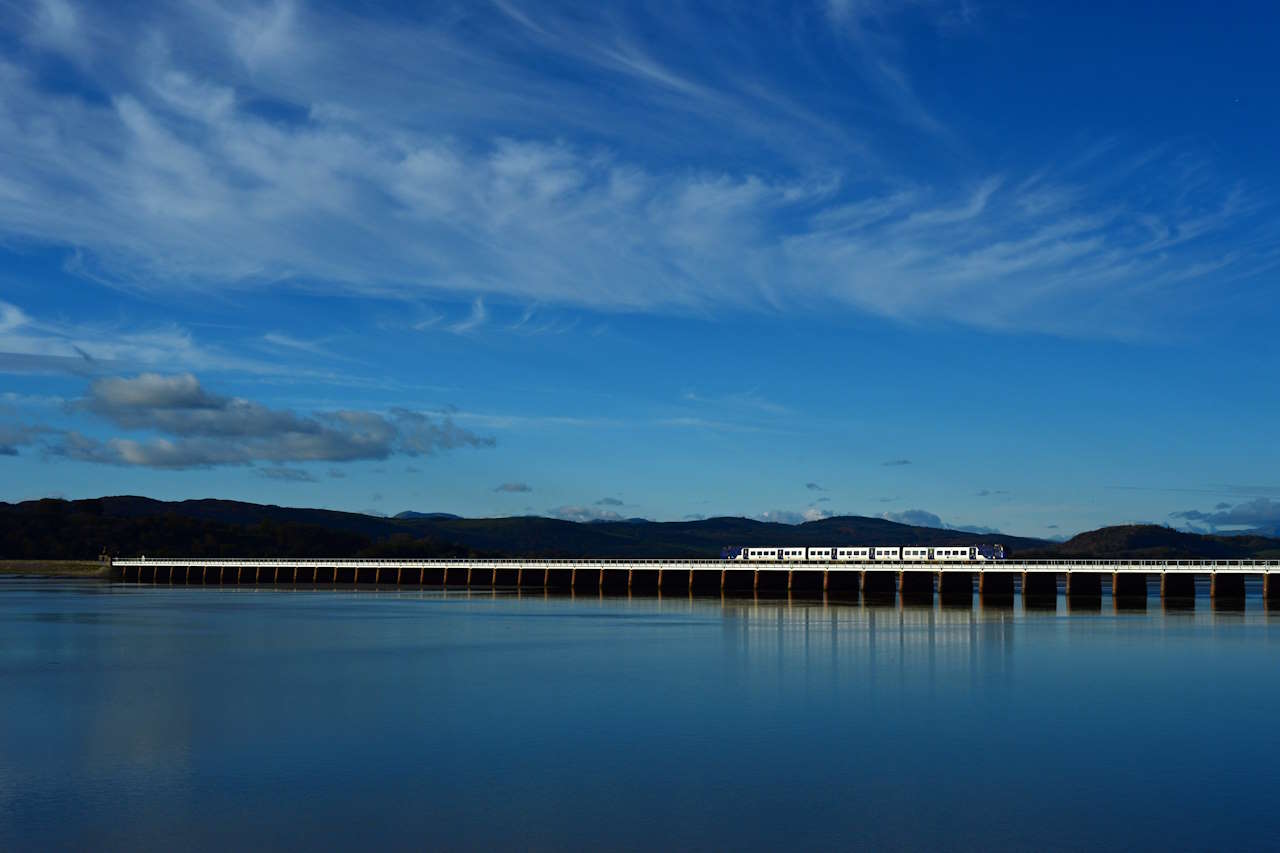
(139, 717)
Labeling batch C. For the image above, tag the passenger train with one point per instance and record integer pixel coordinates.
(870, 554)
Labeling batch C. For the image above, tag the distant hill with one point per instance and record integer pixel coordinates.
(408, 513)
(1151, 540)
(129, 525)
(57, 529)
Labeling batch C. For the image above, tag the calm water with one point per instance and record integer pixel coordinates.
(162, 718)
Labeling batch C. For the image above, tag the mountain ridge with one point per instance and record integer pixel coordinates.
(131, 524)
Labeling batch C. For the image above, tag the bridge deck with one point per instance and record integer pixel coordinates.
(1205, 566)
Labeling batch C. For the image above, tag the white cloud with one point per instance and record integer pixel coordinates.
(33, 345)
(924, 518)
(583, 514)
(475, 320)
(1259, 512)
(193, 428)
(276, 146)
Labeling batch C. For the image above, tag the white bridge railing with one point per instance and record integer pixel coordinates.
(1222, 565)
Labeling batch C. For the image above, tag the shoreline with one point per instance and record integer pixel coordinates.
(55, 568)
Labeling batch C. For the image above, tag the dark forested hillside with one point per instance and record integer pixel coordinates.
(1152, 540)
(70, 530)
(77, 530)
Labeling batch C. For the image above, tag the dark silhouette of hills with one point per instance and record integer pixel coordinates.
(1152, 540)
(128, 525)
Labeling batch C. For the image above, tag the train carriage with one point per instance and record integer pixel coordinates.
(858, 554)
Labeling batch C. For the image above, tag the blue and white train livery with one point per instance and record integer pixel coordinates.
(868, 554)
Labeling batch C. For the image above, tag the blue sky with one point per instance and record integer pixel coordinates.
(1006, 266)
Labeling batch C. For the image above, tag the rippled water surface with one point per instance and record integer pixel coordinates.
(138, 717)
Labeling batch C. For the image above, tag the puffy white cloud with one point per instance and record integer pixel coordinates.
(916, 517)
(200, 429)
(583, 514)
(1259, 512)
(924, 518)
(14, 436)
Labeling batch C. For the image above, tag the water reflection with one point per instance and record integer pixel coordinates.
(158, 717)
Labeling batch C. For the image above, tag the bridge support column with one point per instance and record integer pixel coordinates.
(1177, 586)
(770, 581)
(1271, 587)
(956, 588)
(615, 580)
(995, 587)
(586, 580)
(644, 580)
(1228, 586)
(1039, 588)
(842, 582)
(804, 580)
(1084, 585)
(1130, 587)
(558, 578)
(916, 586)
(879, 585)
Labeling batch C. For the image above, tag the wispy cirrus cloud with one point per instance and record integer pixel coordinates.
(35, 345)
(280, 130)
